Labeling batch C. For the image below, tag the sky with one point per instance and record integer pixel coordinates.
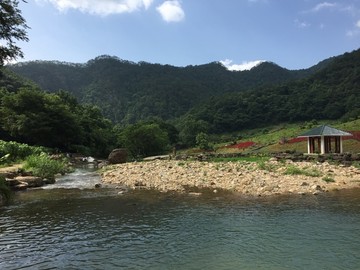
(294, 34)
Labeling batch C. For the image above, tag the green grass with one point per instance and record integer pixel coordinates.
(45, 167)
(293, 170)
(267, 138)
(256, 159)
(270, 137)
(328, 179)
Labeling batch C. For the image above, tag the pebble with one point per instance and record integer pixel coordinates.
(246, 178)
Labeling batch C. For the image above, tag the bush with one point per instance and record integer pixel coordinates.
(45, 167)
(14, 151)
(202, 141)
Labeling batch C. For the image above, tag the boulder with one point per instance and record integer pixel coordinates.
(118, 156)
(32, 181)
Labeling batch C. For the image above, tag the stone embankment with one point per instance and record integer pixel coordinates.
(248, 178)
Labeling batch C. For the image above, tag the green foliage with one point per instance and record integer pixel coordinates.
(293, 170)
(190, 128)
(328, 179)
(333, 88)
(5, 191)
(43, 166)
(130, 92)
(144, 139)
(12, 28)
(206, 98)
(257, 159)
(202, 141)
(35, 117)
(266, 166)
(14, 151)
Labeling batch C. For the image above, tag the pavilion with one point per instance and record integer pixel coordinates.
(324, 139)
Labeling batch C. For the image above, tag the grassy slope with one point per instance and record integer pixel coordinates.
(269, 138)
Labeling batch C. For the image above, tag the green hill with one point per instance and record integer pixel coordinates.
(128, 92)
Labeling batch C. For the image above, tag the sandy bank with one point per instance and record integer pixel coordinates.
(248, 178)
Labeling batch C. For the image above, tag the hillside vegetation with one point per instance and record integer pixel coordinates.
(150, 108)
(128, 92)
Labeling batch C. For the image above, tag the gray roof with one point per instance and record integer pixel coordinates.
(324, 131)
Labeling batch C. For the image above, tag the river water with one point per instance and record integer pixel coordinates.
(72, 225)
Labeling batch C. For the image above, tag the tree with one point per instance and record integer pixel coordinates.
(144, 139)
(202, 141)
(12, 28)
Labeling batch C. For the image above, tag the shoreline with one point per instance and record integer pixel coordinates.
(246, 178)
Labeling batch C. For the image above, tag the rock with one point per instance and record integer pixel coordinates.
(195, 193)
(162, 157)
(32, 181)
(21, 186)
(12, 182)
(117, 156)
(98, 185)
(47, 181)
(316, 187)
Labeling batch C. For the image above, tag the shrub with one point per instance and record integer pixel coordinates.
(17, 151)
(45, 167)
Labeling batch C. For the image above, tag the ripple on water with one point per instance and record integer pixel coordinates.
(70, 229)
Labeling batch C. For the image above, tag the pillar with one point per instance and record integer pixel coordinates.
(341, 145)
(322, 145)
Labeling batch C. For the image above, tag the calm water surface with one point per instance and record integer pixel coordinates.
(76, 228)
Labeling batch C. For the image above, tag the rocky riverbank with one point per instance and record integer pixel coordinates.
(248, 178)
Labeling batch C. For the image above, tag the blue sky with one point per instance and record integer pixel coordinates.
(294, 34)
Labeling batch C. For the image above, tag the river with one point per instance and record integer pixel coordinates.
(72, 225)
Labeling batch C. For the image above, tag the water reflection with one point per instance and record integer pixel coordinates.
(93, 229)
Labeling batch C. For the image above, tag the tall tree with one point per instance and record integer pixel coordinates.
(12, 28)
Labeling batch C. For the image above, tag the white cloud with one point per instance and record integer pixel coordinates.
(302, 24)
(355, 31)
(357, 24)
(103, 7)
(324, 5)
(240, 67)
(171, 11)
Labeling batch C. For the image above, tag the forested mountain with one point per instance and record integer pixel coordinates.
(128, 92)
(206, 98)
(332, 92)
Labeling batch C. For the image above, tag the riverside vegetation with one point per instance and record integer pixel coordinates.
(31, 161)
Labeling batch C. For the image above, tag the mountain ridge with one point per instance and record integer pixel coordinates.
(128, 92)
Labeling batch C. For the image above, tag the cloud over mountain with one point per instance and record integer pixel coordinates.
(240, 67)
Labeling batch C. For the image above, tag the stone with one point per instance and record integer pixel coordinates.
(117, 156)
(12, 182)
(32, 181)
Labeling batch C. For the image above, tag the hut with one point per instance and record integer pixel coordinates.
(324, 139)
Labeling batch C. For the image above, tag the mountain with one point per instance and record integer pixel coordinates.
(332, 91)
(128, 92)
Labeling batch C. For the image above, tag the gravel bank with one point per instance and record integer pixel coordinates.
(248, 178)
